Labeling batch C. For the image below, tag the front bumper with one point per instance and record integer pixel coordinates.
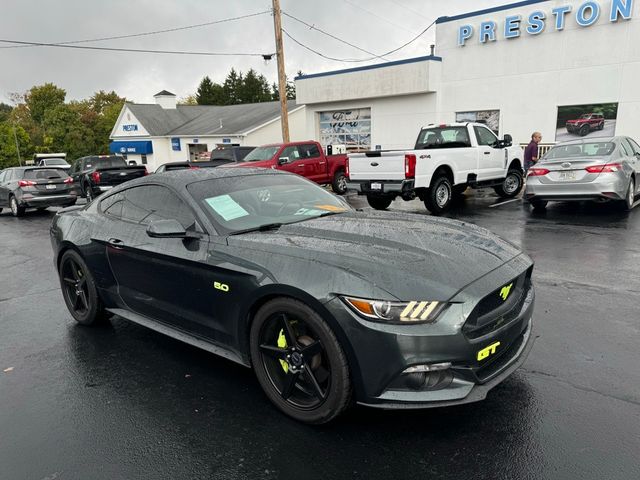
(379, 354)
(382, 187)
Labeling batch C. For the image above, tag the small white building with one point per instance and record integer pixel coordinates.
(526, 66)
(153, 134)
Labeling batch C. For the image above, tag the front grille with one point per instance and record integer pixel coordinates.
(492, 312)
(486, 372)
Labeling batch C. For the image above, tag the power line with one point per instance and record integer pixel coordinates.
(313, 27)
(154, 32)
(135, 50)
(353, 60)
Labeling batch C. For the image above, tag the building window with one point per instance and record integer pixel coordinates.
(491, 118)
(143, 158)
(351, 128)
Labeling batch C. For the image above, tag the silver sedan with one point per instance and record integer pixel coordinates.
(602, 169)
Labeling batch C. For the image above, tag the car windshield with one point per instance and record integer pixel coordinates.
(55, 161)
(44, 174)
(261, 153)
(585, 116)
(590, 149)
(443, 137)
(251, 202)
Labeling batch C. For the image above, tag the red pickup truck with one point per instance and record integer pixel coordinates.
(304, 158)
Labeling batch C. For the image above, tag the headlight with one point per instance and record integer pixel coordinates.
(397, 312)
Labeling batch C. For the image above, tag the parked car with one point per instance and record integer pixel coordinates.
(35, 187)
(167, 167)
(54, 162)
(231, 154)
(587, 122)
(222, 259)
(96, 174)
(306, 159)
(604, 170)
(447, 159)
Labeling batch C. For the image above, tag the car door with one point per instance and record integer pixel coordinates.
(4, 191)
(315, 165)
(166, 279)
(635, 161)
(492, 160)
(295, 163)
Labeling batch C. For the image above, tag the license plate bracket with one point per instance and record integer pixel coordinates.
(50, 187)
(567, 176)
(376, 186)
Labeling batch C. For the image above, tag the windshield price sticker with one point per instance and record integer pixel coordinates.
(226, 207)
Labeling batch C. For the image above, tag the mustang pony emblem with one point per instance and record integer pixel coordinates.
(506, 290)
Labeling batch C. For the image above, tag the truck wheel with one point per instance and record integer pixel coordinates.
(379, 203)
(601, 126)
(339, 184)
(511, 185)
(584, 130)
(439, 196)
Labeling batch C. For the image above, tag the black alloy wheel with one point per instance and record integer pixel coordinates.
(584, 130)
(79, 289)
(339, 184)
(16, 210)
(379, 203)
(299, 362)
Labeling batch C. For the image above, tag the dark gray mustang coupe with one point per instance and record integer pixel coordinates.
(327, 304)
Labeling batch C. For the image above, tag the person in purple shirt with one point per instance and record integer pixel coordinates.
(531, 151)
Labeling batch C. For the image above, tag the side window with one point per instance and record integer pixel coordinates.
(634, 145)
(112, 205)
(292, 153)
(485, 136)
(148, 203)
(626, 148)
(2, 175)
(310, 150)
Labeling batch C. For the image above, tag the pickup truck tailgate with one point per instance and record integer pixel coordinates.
(376, 166)
(116, 176)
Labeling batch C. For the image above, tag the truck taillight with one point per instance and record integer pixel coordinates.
(146, 172)
(95, 176)
(346, 168)
(26, 183)
(409, 166)
(68, 180)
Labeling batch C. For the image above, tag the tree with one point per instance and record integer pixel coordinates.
(102, 100)
(188, 100)
(210, 93)
(8, 151)
(5, 110)
(254, 88)
(291, 89)
(231, 87)
(42, 98)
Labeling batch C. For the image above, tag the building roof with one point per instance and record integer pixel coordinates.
(205, 120)
(499, 8)
(164, 93)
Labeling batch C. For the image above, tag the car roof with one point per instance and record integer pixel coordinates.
(589, 140)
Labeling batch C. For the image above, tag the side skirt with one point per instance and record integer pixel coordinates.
(178, 335)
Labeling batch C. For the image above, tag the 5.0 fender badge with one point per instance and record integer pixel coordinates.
(221, 286)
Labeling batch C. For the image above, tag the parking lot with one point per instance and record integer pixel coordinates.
(121, 401)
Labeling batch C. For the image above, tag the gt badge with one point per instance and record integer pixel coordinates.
(506, 290)
(221, 286)
(490, 350)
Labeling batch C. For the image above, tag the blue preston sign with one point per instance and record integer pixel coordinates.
(535, 23)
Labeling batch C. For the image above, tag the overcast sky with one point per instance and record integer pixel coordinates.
(374, 25)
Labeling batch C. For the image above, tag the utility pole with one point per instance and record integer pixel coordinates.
(15, 137)
(282, 79)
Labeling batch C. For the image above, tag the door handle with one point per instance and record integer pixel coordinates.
(116, 243)
(487, 153)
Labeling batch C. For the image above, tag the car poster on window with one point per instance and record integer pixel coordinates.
(491, 118)
(594, 120)
(351, 128)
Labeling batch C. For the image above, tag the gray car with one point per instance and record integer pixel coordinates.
(602, 170)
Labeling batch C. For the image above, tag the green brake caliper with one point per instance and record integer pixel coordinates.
(282, 343)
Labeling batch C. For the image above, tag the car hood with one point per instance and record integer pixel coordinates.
(409, 256)
(577, 121)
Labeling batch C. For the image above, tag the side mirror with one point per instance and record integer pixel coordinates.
(166, 229)
(283, 160)
(507, 140)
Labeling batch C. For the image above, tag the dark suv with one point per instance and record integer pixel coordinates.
(35, 187)
(586, 123)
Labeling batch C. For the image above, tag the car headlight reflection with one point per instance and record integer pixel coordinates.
(397, 312)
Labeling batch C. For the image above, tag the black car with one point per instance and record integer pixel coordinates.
(95, 174)
(234, 153)
(326, 303)
(35, 187)
(172, 166)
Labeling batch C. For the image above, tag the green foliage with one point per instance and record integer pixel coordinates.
(5, 110)
(291, 89)
(8, 151)
(42, 98)
(238, 88)
(209, 93)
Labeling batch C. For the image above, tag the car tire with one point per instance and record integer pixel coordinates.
(584, 130)
(538, 205)
(601, 126)
(79, 290)
(16, 210)
(627, 203)
(299, 362)
(339, 183)
(379, 203)
(439, 195)
(511, 185)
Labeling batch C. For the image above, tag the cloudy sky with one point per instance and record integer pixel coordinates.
(376, 26)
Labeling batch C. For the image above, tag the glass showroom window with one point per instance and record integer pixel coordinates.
(491, 118)
(351, 128)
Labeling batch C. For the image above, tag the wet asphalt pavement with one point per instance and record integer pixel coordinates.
(122, 402)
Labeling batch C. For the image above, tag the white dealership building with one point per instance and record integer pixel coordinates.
(530, 65)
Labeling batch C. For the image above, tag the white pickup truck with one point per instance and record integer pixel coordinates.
(447, 159)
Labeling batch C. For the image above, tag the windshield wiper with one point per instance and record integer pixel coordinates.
(261, 228)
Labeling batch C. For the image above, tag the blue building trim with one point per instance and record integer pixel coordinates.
(141, 147)
(509, 6)
(371, 67)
